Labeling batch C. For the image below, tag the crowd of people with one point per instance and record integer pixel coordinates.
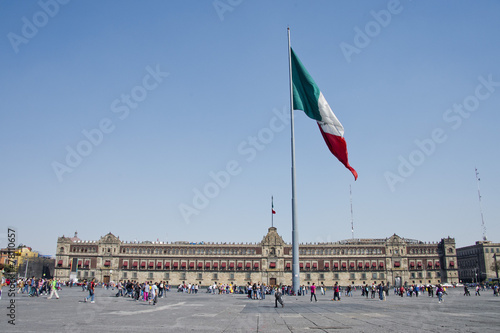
(150, 291)
(147, 291)
(36, 287)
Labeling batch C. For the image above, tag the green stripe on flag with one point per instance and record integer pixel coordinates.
(305, 91)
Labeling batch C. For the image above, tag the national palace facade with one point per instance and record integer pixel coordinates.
(394, 260)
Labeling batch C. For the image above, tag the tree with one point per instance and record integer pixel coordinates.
(9, 271)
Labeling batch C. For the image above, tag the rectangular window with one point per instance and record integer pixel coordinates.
(381, 276)
(486, 250)
(134, 275)
(429, 274)
(183, 276)
(374, 276)
(150, 275)
(321, 276)
(124, 275)
(308, 276)
(79, 273)
(353, 276)
(200, 276)
(231, 276)
(363, 276)
(248, 276)
(215, 276)
(438, 274)
(419, 274)
(412, 275)
(167, 276)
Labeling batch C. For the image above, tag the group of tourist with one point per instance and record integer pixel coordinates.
(36, 287)
(479, 288)
(149, 291)
(416, 290)
(188, 288)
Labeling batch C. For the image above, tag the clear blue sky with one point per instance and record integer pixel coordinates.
(69, 69)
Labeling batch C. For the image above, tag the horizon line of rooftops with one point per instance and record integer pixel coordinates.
(355, 241)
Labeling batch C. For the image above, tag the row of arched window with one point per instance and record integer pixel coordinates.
(184, 251)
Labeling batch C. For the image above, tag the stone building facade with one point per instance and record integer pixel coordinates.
(478, 262)
(394, 260)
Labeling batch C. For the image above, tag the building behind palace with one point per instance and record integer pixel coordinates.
(16, 257)
(478, 263)
(41, 266)
(394, 260)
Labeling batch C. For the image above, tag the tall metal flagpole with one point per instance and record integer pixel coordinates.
(295, 231)
(352, 218)
(483, 226)
(272, 211)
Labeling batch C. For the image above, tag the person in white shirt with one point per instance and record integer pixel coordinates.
(154, 293)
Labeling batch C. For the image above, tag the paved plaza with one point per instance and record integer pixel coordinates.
(204, 312)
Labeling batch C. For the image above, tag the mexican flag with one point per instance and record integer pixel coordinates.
(308, 98)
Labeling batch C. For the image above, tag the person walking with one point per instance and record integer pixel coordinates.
(477, 291)
(53, 289)
(278, 298)
(439, 292)
(466, 291)
(137, 290)
(313, 292)
(91, 289)
(154, 293)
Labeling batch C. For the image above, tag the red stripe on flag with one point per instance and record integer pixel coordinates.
(338, 147)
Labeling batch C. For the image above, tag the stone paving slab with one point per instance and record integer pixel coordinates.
(204, 312)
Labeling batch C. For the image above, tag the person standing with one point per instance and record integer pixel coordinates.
(146, 291)
(381, 291)
(53, 289)
(477, 291)
(160, 289)
(336, 292)
(313, 292)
